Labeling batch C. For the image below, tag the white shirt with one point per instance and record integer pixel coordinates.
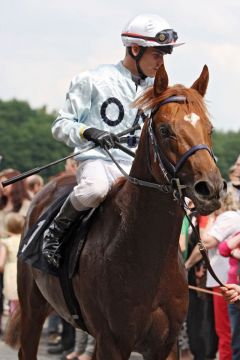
(99, 98)
(225, 225)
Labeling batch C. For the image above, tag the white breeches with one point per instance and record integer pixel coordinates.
(95, 178)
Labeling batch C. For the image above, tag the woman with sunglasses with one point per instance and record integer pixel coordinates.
(98, 107)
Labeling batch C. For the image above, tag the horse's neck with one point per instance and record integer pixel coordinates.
(155, 216)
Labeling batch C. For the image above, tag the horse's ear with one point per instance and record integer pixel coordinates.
(161, 81)
(201, 83)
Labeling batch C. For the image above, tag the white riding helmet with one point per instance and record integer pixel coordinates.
(149, 30)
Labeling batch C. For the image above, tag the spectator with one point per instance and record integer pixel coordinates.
(227, 223)
(234, 183)
(70, 168)
(34, 184)
(230, 248)
(67, 342)
(53, 331)
(84, 346)
(200, 318)
(231, 293)
(8, 257)
(13, 198)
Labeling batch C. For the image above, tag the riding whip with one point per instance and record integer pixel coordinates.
(86, 148)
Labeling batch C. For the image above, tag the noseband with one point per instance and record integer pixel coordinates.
(169, 169)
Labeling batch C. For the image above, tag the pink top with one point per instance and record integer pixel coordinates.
(224, 250)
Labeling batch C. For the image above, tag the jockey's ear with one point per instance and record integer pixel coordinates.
(201, 83)
(161, 81)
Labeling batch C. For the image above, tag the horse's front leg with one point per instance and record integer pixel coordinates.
(174, 354)
(159, 342)
(106, 347)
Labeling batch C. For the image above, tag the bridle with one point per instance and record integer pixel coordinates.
(170, 172)
(168, 169)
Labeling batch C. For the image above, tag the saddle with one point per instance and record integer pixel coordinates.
(30, 249)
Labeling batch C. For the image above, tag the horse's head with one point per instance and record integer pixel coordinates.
(180, 134)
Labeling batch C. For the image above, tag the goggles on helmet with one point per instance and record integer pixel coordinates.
(164, 37)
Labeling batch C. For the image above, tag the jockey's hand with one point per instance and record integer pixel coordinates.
(101, 138)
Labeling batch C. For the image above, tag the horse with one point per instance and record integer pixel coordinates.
(131, 283)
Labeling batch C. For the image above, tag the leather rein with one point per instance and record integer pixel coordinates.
(170, 172)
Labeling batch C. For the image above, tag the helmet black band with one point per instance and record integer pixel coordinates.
(137, 58)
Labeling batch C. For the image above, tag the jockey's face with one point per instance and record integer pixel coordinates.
(151, 60)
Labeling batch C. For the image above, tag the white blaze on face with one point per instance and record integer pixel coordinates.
(192, 118)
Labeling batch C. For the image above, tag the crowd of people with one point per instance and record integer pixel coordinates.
(213, 321)
(15, 200)
(213, 326)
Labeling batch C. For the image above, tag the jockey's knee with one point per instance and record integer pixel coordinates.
(91, 194)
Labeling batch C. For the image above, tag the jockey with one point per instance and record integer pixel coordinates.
(97, 107)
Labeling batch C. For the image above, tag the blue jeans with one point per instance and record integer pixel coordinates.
(234, 316)
(54, 321)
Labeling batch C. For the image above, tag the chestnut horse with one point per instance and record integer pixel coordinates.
(132, 286)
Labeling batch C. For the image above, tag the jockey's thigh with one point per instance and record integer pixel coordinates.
(95, 178)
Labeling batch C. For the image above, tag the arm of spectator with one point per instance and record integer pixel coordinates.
(224, 249)
(227, 247)
(231, 293)
(193, 258)
(90, 347)
(3, 257)
(233, 242)
(209, 241)
(182, 242)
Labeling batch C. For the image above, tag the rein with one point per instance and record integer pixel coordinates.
(202, 248)
(168, 168)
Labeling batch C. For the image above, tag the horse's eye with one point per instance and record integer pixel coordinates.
(165, 131)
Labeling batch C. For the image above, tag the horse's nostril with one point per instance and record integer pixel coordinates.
(202, 188)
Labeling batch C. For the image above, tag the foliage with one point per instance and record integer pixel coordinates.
(26, 140)
(226, 148)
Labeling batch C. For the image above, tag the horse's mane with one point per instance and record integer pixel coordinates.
(194, 100)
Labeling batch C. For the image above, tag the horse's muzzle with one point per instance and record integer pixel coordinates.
(207, 195)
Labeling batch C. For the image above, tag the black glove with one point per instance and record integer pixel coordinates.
(100, 137)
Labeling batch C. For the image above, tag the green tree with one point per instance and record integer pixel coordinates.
(226, 147)
(26, 139)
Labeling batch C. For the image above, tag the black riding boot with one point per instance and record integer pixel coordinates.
(53, 236)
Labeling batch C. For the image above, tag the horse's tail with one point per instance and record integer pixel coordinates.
(12, 332)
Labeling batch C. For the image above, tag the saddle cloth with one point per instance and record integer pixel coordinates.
(30, 249)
